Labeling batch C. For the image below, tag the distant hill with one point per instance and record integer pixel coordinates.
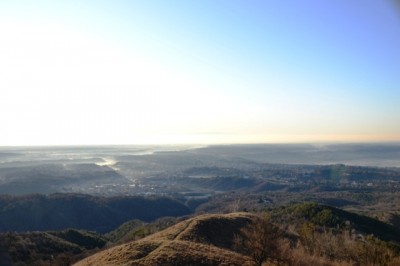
(47, 248)
(203, 240)
(331, 217)
(100, 214)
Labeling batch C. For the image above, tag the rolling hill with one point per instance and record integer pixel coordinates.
(203, 240)
(301, 234)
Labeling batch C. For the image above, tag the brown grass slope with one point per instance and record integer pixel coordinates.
(203, 240)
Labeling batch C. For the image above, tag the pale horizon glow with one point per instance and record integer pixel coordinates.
(123, 72)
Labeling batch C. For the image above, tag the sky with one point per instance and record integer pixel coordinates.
(199, 72)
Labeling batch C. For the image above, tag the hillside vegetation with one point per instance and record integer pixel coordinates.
(100, 214)
(295, 234)
(47, 248)
(203, 240)
(303, 234)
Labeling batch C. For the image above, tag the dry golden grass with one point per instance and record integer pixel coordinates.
(210, 240)
(203, 240)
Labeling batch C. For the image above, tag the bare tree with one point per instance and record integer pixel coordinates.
(261, 240)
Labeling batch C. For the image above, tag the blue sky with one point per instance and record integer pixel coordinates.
(142, 72)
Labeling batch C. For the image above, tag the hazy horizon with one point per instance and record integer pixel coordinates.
(207, 72)
(362, 154)
(200, 145)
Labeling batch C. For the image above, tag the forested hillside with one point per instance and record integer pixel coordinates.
(100, 214)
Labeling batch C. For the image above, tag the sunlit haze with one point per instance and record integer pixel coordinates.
(175, 72)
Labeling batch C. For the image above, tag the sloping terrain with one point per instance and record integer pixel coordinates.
(47, 248)
(319, 235)
(331, 217)
(100, 214)
(300, 234)
(203, 240)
